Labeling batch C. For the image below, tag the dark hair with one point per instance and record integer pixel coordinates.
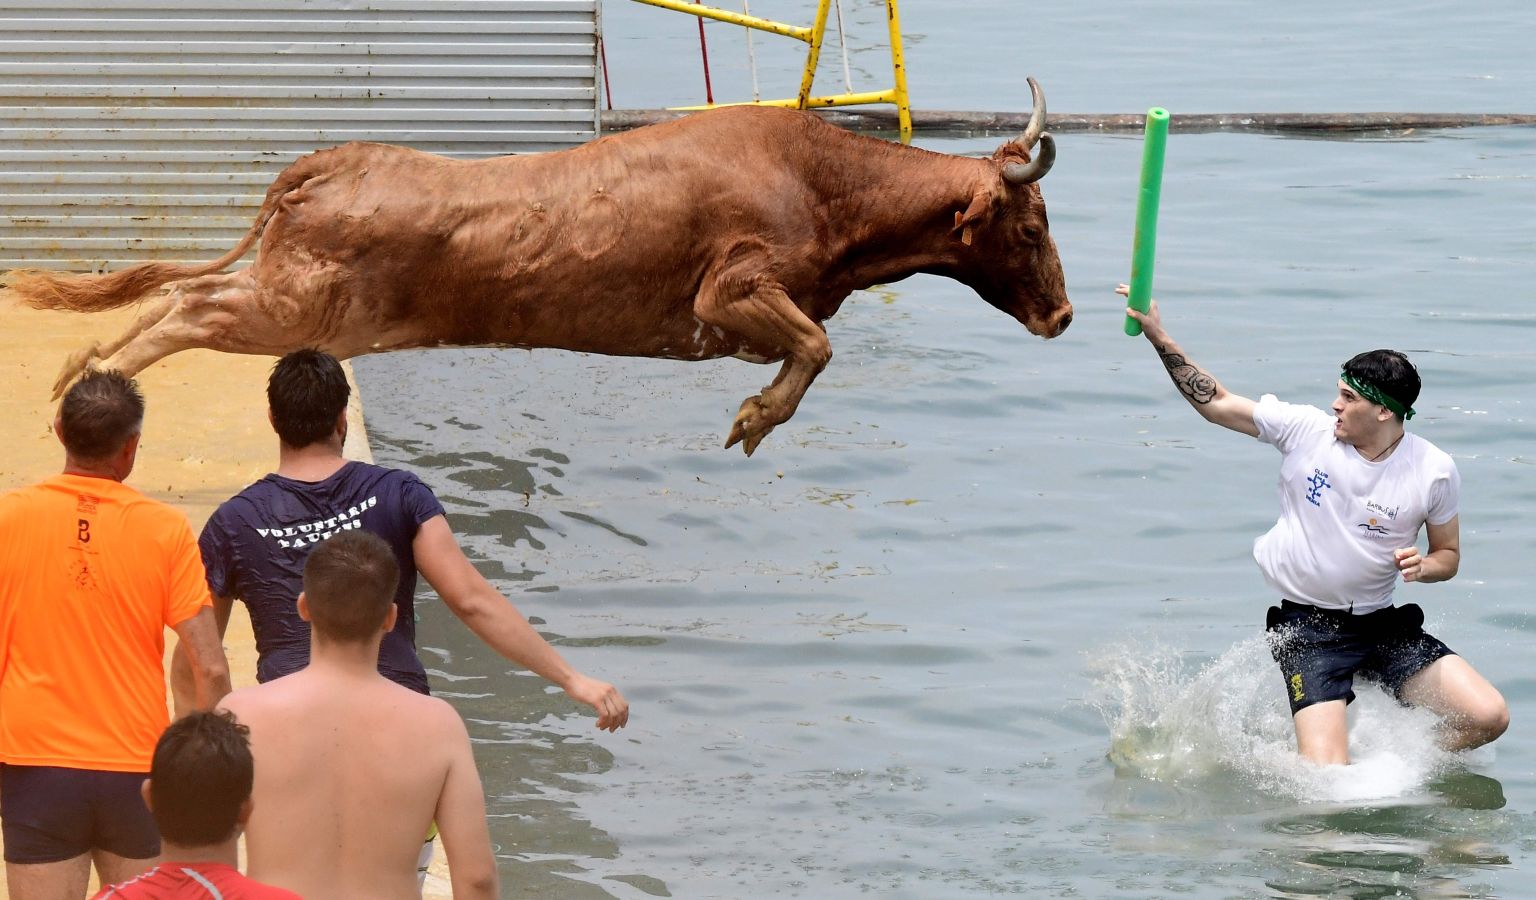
(201, 774)
(349, 584)
(1390, 371)
(306, 392)
(99, 414)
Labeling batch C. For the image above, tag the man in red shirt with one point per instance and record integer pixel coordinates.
(199, 789)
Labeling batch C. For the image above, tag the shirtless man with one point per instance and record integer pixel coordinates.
(255, 544)
(351, 768)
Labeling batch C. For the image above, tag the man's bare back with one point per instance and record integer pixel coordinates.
(351, 770)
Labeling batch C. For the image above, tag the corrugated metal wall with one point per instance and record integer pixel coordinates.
(139, 129)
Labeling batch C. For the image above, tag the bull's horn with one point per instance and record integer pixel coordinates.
(1035, 169)
(1036, 116)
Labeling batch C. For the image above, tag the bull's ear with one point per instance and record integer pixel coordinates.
(981, 203)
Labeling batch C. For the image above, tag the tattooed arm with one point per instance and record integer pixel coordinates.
(1212, 401)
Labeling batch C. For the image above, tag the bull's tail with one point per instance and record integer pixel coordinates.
(41, 289)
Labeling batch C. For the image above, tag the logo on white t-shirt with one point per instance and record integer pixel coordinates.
(1371, 529)
(1381, 509)
(1318, 482)
(1375, 526)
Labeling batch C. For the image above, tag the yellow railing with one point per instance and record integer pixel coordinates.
(814, 35)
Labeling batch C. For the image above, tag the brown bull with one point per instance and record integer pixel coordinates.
(733, 232)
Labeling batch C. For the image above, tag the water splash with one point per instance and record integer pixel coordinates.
(1174, 722)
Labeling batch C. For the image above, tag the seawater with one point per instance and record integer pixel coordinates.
(982, 618)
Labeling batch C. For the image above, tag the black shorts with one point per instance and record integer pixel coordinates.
(1321, 650)
(51, 814)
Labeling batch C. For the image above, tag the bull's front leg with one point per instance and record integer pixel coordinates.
(757, 312)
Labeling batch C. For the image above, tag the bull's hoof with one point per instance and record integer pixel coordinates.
(750, 427)
(75, 365)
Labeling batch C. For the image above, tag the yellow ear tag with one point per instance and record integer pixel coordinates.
(965, 233)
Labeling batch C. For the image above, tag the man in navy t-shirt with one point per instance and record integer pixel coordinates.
(255, 545)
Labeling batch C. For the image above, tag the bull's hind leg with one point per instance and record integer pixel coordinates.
(75, 365)
(757, 311)
(231, 313)
(78, 362)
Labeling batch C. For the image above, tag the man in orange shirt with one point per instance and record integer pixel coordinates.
(91, 574)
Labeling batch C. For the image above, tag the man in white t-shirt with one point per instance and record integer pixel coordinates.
(1355, 488)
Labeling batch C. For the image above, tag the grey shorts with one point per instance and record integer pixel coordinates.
(1320, 651)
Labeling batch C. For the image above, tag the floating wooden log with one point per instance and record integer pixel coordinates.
(952, 122)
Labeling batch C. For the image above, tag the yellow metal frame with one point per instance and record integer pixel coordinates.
(814, 35)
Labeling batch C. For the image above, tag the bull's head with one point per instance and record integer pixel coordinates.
(1008, 256)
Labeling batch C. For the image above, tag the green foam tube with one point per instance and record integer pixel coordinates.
(1145, 248)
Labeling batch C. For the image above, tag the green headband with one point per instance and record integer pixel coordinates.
(1376, 395)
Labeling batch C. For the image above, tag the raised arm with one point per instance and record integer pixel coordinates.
(1212, 401)
(494, 619)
